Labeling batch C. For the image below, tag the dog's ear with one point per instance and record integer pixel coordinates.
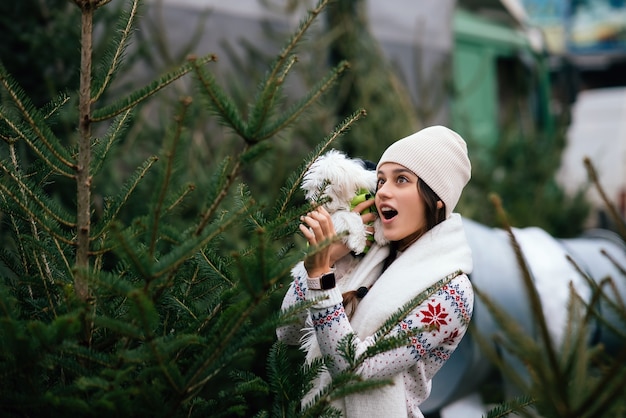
(369, 165)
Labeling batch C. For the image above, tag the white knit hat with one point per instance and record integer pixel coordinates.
(438, 156)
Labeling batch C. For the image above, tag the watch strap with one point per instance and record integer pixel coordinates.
(324, 282)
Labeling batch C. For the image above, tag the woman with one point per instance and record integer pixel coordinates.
(420, 180)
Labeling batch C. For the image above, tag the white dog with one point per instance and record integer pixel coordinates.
(342, 179)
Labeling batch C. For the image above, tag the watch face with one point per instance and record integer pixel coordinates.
(328, 281)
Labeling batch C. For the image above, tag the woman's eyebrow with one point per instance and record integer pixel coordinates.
(397, 171)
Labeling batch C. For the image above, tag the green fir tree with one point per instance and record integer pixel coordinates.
(151, 311)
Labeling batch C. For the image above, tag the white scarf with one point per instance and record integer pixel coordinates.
(435, 255)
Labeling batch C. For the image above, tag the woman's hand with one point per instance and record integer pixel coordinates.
(369, 217)
(318, 227)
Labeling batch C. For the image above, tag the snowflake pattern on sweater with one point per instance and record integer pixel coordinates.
(436, 327)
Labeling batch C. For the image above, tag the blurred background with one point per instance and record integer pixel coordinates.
(534, 86)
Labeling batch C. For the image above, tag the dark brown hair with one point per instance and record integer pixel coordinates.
(433, 215)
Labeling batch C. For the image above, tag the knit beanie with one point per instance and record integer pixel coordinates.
(438, 156)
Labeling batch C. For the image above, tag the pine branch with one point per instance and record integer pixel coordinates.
(53, 107)
(170, 153)
(225, 181)
(34, 131)
(216, 265)
(292, 114)
(535, 301)
(25, 133)
(180, 254)
(295, 180)
(614, 302)
(219, 101)
(114, 133)
(49, 207)
(120, 43)
(115, 205)
(270, 86)
(31, 213)
(510, 407)
(135, 98)
(607, 389)
(593, 176)
(264, 104)
(513, 338)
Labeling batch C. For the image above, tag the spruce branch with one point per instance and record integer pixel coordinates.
(28, 197)
(292, 43)
(124, 31)
(535, 301)
(216, 266)
(513, 338)
(170, 153)
(135, 98)
(25, 192)
(510, 407)
(618, 266)
(17, 231)
(184, 192)
(62, 256)
(52, 108)
(231, 321)
(609, 385)
(614, 303)
(36, 130)
(219, 101)
(26, 133)
(228, 337)
(270, 86)
(593, 176)
(175, 258)
(264, 104)
(113, 209)
(46, 277)
(292, 114)
(294, 181)
(115, 131)
(28, 213)
(226, 183)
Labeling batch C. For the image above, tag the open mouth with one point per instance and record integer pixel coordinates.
(388, 213)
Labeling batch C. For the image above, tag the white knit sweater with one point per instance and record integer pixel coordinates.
(437, 254)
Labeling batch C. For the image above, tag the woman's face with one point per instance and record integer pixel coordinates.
(400, 206)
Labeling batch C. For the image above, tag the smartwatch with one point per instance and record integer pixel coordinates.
(324, 282)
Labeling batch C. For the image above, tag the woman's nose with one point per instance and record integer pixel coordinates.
(383, 190)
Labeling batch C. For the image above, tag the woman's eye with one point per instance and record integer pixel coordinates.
(380, 182)
(402, 179)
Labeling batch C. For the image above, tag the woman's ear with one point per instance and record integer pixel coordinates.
(439, 204)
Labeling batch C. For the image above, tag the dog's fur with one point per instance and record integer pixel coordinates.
(335, 176)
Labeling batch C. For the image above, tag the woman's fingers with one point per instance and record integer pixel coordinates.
(364, 205)
(317, 226)
(370, 215)
(368, 218)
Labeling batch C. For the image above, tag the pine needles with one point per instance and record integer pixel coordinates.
(140, 308)
(578, 377)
